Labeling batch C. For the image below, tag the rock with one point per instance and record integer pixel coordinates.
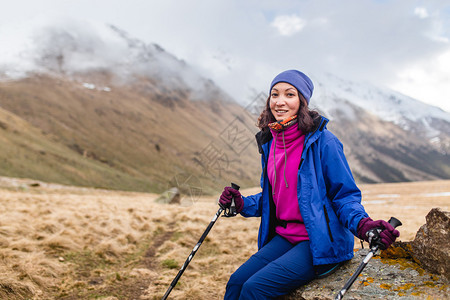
(171, 196)
(431, 246)
(3, 125)
(384, 277)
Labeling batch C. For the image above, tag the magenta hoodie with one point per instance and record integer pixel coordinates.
(288, 145)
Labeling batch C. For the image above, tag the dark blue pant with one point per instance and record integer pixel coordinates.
(276, 269)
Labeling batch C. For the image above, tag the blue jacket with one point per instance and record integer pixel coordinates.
(329, 200)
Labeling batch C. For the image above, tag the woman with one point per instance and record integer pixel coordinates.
(310, 206)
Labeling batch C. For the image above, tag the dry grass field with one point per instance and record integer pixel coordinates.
(60, 242)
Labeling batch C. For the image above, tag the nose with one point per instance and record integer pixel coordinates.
(279, 101)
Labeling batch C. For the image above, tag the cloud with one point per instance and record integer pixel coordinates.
(427, 80)
(288, 25)
(421, 12)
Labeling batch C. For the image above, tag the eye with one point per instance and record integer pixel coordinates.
(274, 94)
(291, 95)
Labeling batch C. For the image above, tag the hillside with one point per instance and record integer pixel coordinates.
(131, 137)
(28, 152)
(381, 151)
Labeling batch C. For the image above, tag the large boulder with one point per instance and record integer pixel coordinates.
(407, 270)
(431, 247)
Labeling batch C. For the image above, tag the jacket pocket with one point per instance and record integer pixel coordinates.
(328, 223)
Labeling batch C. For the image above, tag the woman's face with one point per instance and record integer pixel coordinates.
(284, 101)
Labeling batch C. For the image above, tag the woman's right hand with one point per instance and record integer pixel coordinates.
(227, 195)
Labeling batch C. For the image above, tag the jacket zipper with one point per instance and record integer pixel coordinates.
(328, 223)
(300, 164)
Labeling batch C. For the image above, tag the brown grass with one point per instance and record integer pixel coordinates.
(74, 243)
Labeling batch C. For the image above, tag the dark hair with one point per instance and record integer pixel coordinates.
(305, 116)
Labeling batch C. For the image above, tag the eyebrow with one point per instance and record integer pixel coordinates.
(289, 88)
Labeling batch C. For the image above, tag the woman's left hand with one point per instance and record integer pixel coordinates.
(387, 235)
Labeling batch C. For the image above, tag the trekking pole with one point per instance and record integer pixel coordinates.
(373, 235)
(229, 212)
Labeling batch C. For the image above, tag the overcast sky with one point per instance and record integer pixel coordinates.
(403, 44)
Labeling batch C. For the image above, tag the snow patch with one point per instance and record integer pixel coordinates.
(388, 196)
(443, 194)
(89, 86)
(374, 202)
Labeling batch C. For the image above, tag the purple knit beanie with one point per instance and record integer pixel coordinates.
(296, 78)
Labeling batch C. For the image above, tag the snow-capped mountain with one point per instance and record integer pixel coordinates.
(387, 136)
(388, 105)
(74, 48)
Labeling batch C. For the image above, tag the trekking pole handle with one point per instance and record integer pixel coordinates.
(233, 204)
(231, 211)
(394, 222)
(373, 234)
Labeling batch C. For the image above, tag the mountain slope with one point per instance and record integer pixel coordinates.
(380, 151)
(130, 130)
(28, 152)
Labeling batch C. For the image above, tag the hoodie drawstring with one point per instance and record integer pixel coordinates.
(285, 161)
(274, 161)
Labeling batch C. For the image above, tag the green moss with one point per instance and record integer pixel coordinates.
(170, 263)
(404, 263)
(430, 283)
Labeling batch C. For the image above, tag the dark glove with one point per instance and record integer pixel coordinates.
(384, 237)
(226, 197)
